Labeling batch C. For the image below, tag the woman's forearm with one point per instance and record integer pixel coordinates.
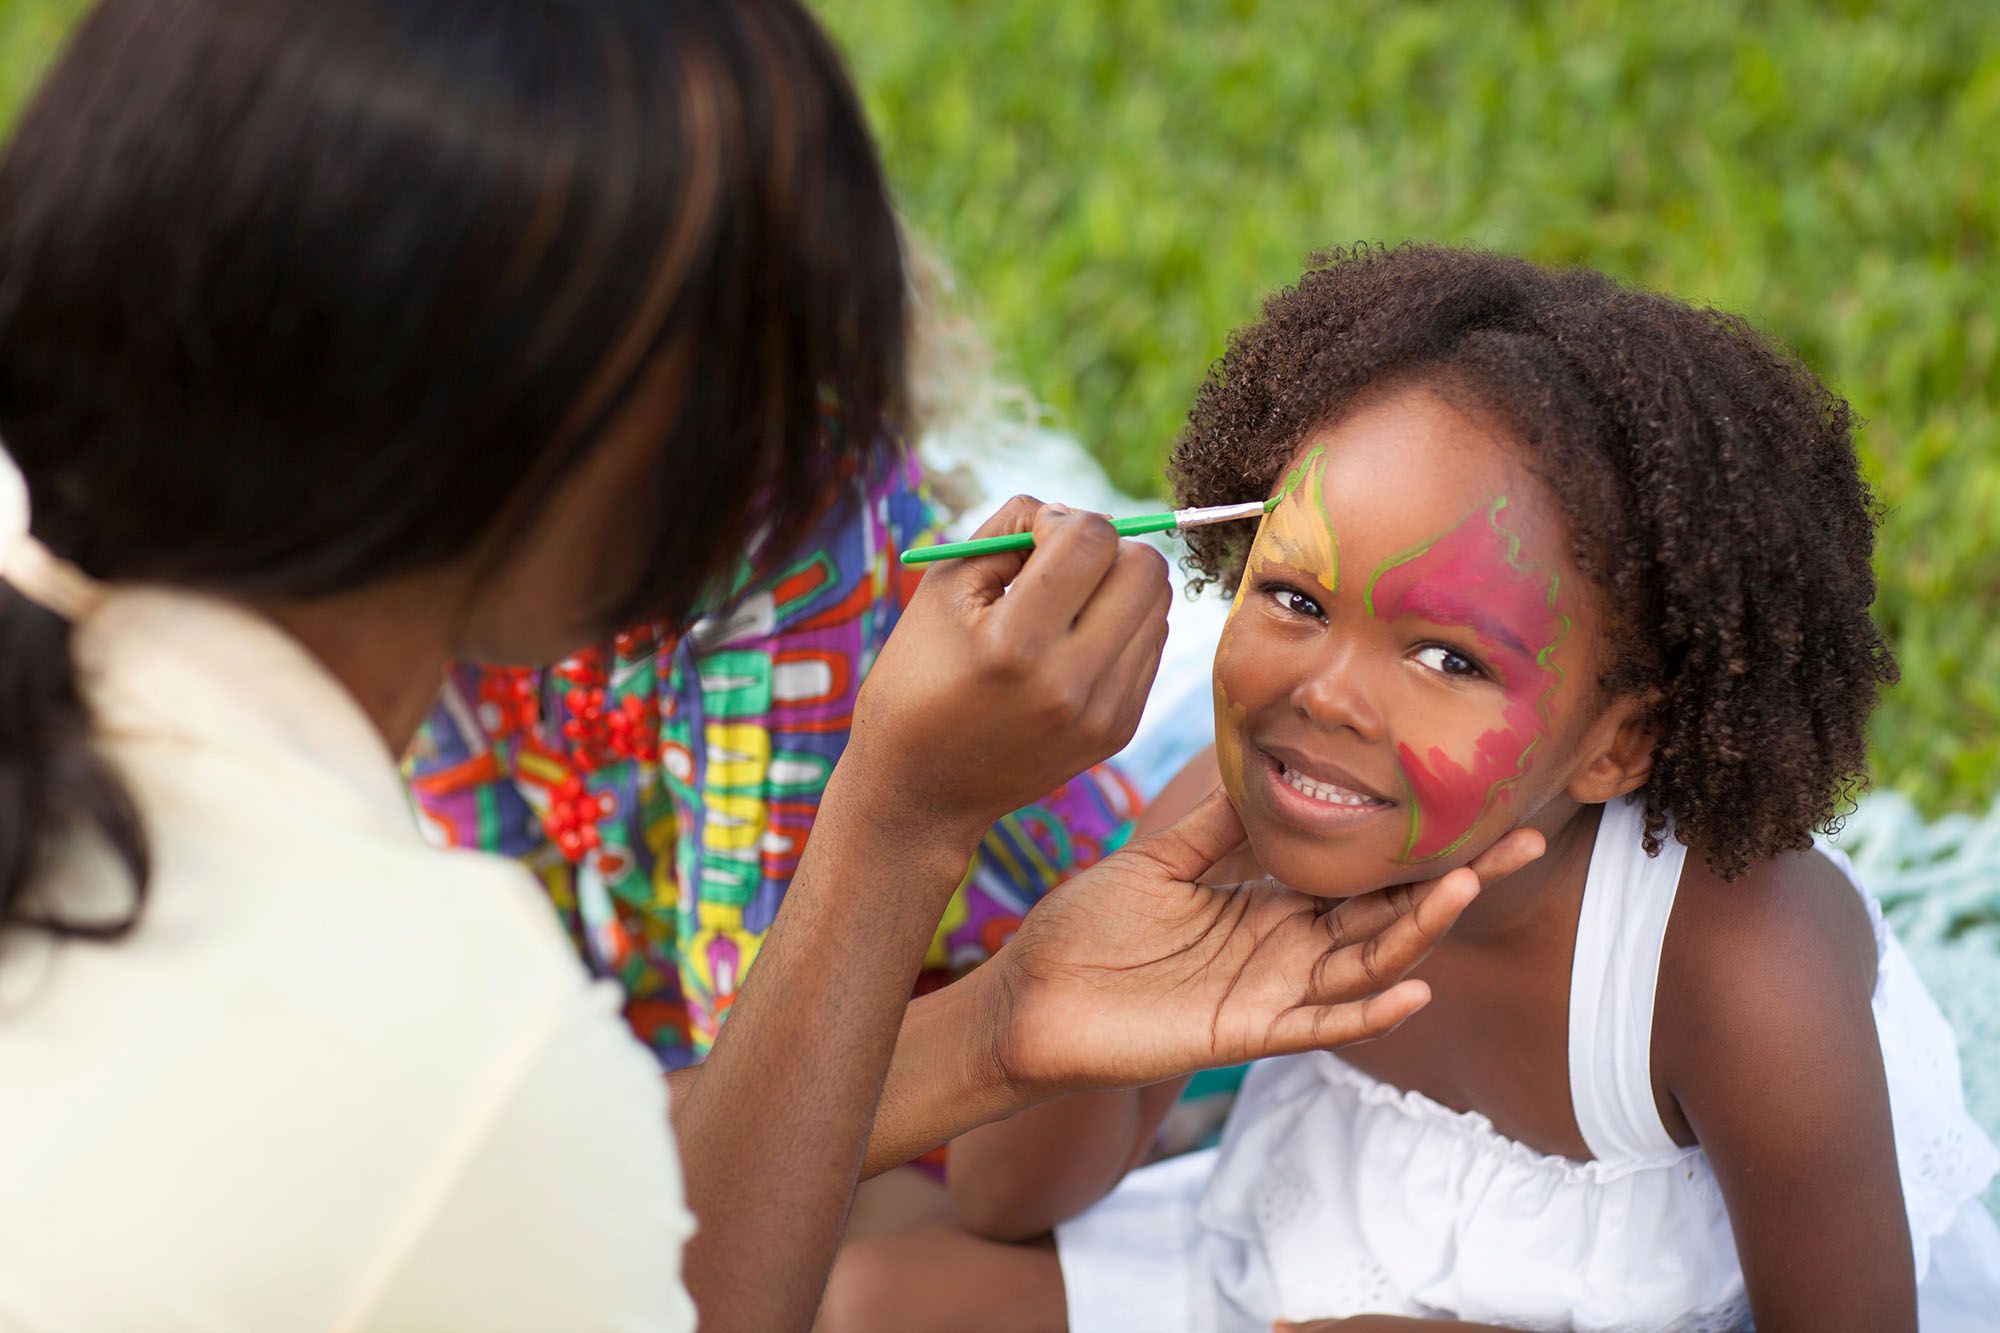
(943, 1079)
(775, 1129)
(1016, 1178)
(941, 1082)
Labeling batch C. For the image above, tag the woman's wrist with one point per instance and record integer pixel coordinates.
(945, 1077)
(971, 1014)
(1021, 1066)
(875, 792)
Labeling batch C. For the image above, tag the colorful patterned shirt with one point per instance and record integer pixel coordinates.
(662, 786)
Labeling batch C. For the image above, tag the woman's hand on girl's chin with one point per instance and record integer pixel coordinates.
(1132, 972)
(1010, 674)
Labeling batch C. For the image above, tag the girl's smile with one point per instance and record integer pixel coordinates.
(1402, 672)
(1315, 794)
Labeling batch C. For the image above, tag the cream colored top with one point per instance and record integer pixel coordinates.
(337, 1078)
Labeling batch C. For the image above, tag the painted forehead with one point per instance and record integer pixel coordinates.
(1299, 533)
(1472, 575)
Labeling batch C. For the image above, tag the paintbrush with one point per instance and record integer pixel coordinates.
(1135, 526)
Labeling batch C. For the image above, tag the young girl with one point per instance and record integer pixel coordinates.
(1557, 554)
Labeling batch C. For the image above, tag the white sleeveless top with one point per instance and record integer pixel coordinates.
(1335, 1194)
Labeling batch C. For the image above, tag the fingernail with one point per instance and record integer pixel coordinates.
(1056, 511)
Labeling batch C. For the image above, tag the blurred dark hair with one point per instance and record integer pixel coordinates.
(1709, 480)
(297, 295)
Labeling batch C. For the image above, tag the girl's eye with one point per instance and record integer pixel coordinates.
(1446, 662)
(1291, 599)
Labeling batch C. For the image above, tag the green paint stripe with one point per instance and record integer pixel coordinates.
(1400, 558)
(1332, 537)
(1296, 477)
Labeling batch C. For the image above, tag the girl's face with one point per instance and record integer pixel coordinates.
(1409, 669)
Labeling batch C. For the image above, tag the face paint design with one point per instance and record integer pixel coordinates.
(1297, 533)
(1472, 576)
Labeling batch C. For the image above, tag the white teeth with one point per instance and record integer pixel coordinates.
(1323, 791)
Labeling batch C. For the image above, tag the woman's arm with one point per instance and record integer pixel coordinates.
(1768, 1044)
(1016, 1178)
(1133, 974)
(1005, 676)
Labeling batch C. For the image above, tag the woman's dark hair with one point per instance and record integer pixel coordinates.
(297, 296)
(1709, 480)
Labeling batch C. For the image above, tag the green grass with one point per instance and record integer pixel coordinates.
(1119, 184)
(30, 31)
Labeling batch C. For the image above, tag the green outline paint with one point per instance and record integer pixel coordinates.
(1297, 476)
(1325, 517)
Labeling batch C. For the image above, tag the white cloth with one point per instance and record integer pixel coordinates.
(1334, 1193)
(336, 1078)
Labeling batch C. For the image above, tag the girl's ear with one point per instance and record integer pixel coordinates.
(1618, 754)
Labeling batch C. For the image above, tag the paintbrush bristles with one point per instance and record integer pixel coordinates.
(1201, 518)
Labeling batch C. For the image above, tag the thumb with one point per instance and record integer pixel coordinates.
(1197, 840)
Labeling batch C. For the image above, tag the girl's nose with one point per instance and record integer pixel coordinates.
(1338, 695)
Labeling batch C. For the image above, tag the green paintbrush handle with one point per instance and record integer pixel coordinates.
(1021, 541)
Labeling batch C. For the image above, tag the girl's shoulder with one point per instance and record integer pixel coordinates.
(1785, 925)
(1765, 971)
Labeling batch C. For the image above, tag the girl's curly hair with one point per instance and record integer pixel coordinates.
(1708, 477)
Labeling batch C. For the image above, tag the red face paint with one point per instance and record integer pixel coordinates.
(1472, 577)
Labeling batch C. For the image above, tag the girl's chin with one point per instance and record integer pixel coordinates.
(1342, 871)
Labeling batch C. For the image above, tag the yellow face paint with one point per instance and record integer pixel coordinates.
(1298, 533)
(1228, 716)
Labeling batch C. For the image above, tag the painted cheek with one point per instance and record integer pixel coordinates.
(1299, 535)
(1477, 565)
(1449, 799)
(1229, 716)
(1229, 720)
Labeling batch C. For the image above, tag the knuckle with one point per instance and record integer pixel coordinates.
(1114, 731)
(1017, 515)
(1064, 704)
(1094, 535)
(1143, 558)
(1004, 657)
